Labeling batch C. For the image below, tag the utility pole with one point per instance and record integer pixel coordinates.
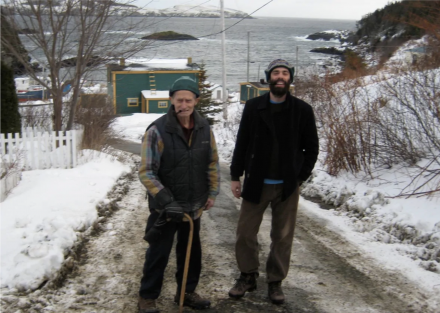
(248, 58)
(296, 70)
(225, 96)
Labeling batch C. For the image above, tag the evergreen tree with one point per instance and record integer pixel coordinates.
(206, 106)
(10, 117)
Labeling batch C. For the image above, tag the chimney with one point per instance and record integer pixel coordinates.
(122, 61)
(190, 60)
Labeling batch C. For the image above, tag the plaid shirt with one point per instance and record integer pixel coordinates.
(152, 148)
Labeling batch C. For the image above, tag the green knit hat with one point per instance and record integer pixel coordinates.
(185, 83)
(279, 63)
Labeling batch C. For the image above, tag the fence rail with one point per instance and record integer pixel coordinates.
(36, 149)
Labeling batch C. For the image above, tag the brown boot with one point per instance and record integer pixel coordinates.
(147, 306)
(193, 300)
(276, 294)
(246, 282)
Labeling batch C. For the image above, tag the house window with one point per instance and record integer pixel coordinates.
(133, 102)
(163, 104)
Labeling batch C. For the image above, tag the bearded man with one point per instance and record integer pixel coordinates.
(276, 148)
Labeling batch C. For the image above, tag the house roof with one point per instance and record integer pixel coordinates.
(257, 85)
(142, 64)
(159, 94)
(417, 50)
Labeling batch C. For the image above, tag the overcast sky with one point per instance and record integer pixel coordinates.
(332, 9)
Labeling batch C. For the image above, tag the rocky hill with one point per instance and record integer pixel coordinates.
(382, 32)
(191, 11)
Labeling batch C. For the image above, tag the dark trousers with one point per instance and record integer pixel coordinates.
(281, 233)
(156, 258)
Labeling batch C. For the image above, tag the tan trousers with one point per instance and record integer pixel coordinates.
(281, 234)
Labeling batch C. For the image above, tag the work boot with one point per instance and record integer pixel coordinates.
(147, 306)
(276, 294)
(193, 300)
(246, 282)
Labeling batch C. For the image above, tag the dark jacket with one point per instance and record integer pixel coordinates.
(298, 144)
(183, 166)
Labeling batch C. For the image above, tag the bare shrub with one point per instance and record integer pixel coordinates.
(343, 118)
(380, 121)
(41, 116)
(97, 121)
(12, 162)
(412, 122)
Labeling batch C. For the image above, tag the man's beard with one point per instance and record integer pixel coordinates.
(277, 90)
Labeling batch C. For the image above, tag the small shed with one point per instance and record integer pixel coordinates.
(217, 92)
(414, 54)
(155, 101)
(252, 89)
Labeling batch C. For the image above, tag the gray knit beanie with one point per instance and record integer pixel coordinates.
(185, 83)
(279, 63)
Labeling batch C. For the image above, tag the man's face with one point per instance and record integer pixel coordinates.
(279, 82)
(184, 101)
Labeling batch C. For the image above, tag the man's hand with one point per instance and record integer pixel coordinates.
(236, 189)
(174, 211)
(209, 204)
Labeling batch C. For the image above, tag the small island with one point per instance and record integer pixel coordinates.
(336, 35)
(169, 35)
(329, 50)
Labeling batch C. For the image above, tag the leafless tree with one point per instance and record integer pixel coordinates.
(71, 39)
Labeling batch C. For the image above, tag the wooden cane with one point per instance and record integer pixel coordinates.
(188, 255)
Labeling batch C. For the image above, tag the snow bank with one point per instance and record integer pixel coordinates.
(42, 215)
(410, 227)
(133, 127)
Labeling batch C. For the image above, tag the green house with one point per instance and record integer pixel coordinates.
(251, 90)
(144, 88)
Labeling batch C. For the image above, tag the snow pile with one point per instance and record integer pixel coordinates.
(133, 127)
(409, 226)
(94, 89)
(45, 214)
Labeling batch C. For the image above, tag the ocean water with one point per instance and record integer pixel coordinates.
(270, 38)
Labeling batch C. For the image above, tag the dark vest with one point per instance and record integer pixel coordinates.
(183, 167)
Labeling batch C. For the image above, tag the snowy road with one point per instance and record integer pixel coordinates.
(106, 278)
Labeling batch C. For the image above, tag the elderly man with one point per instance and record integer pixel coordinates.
(180, 170)
(276, 147)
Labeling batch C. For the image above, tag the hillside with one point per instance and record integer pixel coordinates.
(192, 11)
(386, 29)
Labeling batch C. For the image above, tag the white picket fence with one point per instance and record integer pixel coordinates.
(35, 149)
(41, 150)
